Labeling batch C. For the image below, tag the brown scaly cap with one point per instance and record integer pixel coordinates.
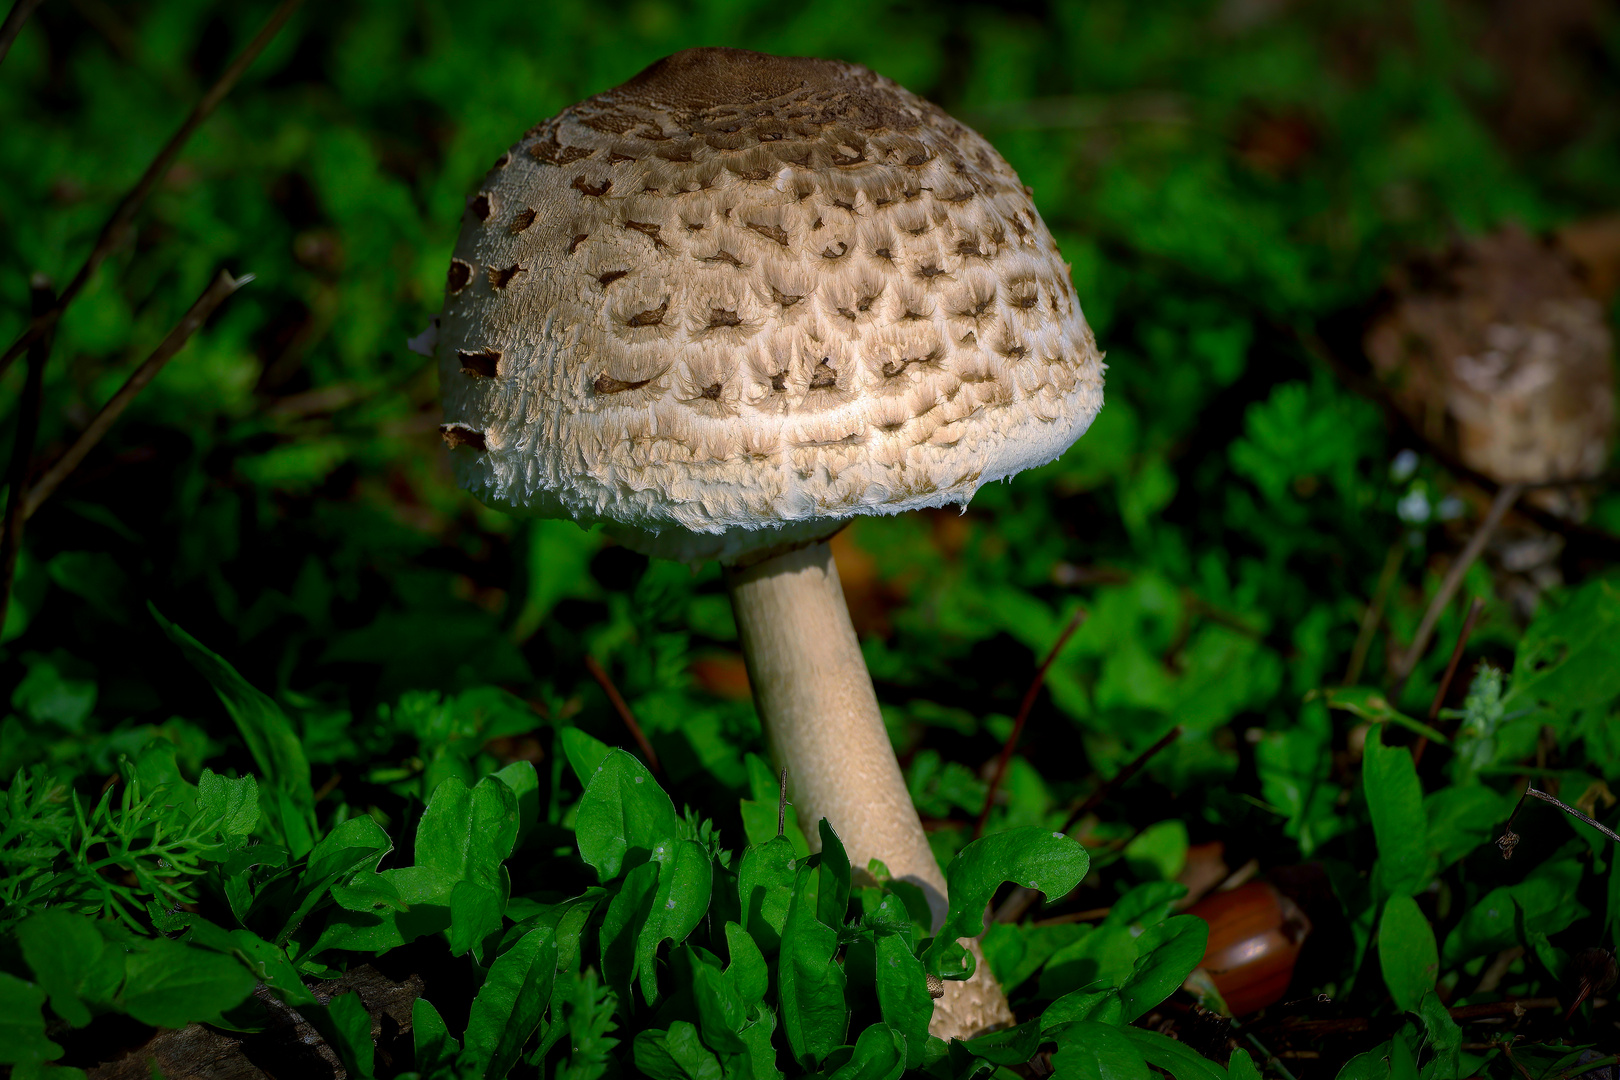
(742, 298)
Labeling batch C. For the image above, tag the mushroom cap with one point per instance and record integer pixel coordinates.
(741, 298)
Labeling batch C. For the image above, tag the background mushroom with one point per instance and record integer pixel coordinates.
(725, 307)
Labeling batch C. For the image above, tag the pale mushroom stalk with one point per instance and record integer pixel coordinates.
(821, 716)
(725, 307)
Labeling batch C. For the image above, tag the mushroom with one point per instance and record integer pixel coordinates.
(725, 307)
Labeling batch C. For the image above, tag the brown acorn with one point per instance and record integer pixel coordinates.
(1255, 933)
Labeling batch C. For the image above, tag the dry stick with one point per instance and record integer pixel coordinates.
(14, 24)
(623, 709)
(112, 233)
(1022, 899)
(781, 806)
(1451, 669)
(223, 286)
(1505, 498)
(1510, 839)
(22, 452)
(1375, 612)
(1024, 707)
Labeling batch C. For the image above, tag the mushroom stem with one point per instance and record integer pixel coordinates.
(821, 716)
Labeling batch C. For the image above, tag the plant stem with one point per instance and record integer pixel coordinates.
(1510, 839)
(22, 451)
(1024, 707)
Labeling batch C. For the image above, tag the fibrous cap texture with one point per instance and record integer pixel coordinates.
(741, 298)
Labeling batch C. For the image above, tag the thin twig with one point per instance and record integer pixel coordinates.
(1024, 707)
(112, 233)
(1375, 612)
(781, 806)
(1510, 839)
(1505, 498)
(1021, 899)
(223, 286)
(22, 451)
(14, 24)
(623, 709)
(1451, 669)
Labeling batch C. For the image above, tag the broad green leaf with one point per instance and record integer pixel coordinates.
(1445, 1034)
(1177, 1059)
(1158, 851)
(464, 835)
(1146, 904)
(227, 807)
(352, 848)
(1033, 858)
(435, 1049)
(1395, 802)
(765, 890)
(880, 1054)
(747, 967)
(61, 949)
(621, 927)
(1166, 954)
(810, 982)
(1546, 898)
(168, 984)
(721, 1009)
(678, 904)
(1569, 657)
(525, 784)
(1098, 1006)
(1407, 952)
(1100, 960)
(675, 1054)
(1460, 819)
(833, 897)
(1088, 1050)
(269, 735)
(584, 753)
(902, 991)
(1241, 1066)
(1009, 1046)
(623, 809)
(352, 1024)
(509, 1004)
(22, 1023)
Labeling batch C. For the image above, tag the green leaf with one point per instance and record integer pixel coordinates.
(352, 848)
(1166, 955)
(1407, 952)
(1099, 1006)
(435, 1049)
(269, 736)
(1033, 858)
(1445, 1034)
(1179, 1060)
(22, 1023)
(747, 967)
(1009, 1046)
(880, 1054)
(525, 784)
(510, 1003)
(1088, 1050)
(765, 890)
(833, 898)
(352, 1024)
(902, 991)
(675, 1054)
(678, 904)
(61, 949)
(1241, 1066)
(1102, 959)
(721, 1010)
(810, 982)
(168, 984)
(1546, 898)
(621, 927)
(584, 753)
(1395, 802)
(464, 835)
(623, 809)
(228, 808)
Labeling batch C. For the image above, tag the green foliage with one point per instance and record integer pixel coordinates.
(377, 736)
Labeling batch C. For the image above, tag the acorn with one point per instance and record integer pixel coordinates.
(1255, 934)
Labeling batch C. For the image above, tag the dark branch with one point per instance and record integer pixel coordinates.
(623, 709)
(224, 285)
(117, 227)
(14, 24)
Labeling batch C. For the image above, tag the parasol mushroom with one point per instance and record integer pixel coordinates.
(732, 303)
